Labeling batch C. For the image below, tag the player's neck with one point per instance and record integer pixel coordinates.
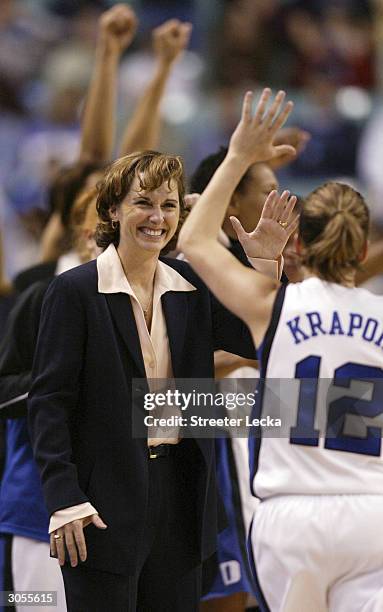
(347, 281)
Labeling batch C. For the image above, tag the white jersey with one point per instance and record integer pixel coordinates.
(325, 346)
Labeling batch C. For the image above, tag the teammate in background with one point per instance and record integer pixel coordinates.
(23, 517)
(313, 479)
(227, 578)
(169, 42)
(116, 30)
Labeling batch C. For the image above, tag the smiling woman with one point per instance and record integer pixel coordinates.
(108, 328)
(141, 202)
(141, 206)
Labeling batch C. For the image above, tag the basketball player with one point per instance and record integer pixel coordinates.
(316, 536)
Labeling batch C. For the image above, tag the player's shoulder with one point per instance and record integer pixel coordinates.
(314, 286)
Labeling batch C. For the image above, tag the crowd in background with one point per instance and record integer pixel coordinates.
(325, 53)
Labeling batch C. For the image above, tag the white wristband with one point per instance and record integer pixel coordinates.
(269, 267)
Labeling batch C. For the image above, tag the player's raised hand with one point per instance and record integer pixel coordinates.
(293, 136)
(171, 39)
(278, 221)
(253, 138)
(118, 27)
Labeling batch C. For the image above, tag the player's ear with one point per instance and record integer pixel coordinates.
(234, 206)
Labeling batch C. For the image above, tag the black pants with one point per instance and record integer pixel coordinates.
(168, 577)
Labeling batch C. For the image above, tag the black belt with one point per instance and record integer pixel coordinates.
(162, 450)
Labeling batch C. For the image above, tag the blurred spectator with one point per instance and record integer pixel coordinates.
(338, 44)
(244, 42)
(12, 122)
(370, 156)
(23, 516)
(26, 34)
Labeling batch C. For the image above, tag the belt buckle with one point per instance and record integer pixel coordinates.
(152, 453)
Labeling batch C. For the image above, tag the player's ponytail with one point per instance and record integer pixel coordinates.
(333, 230)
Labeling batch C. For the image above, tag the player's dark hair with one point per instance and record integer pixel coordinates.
(205, 170)
(333, 228)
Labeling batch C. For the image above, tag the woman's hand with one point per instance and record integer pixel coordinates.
(278, 221)
(253, 138)
(71, 536)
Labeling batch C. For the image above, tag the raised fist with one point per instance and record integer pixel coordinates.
(118, 26)
(170, 39)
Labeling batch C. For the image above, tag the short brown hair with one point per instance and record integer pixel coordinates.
(333, 227)
(152, 169)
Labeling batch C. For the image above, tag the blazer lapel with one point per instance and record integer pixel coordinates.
(122, 313)
(175, 305)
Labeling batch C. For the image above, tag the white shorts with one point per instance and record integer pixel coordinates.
(320, 553)
(34, 570)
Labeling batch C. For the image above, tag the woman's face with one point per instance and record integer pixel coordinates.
(148, 219)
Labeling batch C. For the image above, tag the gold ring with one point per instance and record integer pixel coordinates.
(283, 224)
(57, 537)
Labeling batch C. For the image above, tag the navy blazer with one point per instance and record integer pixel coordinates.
(87, 355)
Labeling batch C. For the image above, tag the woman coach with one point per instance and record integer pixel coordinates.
(128, 315)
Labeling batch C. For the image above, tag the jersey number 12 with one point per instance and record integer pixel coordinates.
(304, 432)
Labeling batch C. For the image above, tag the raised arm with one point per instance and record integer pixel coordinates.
(245, 292)
(117, 28)
(142, 132)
